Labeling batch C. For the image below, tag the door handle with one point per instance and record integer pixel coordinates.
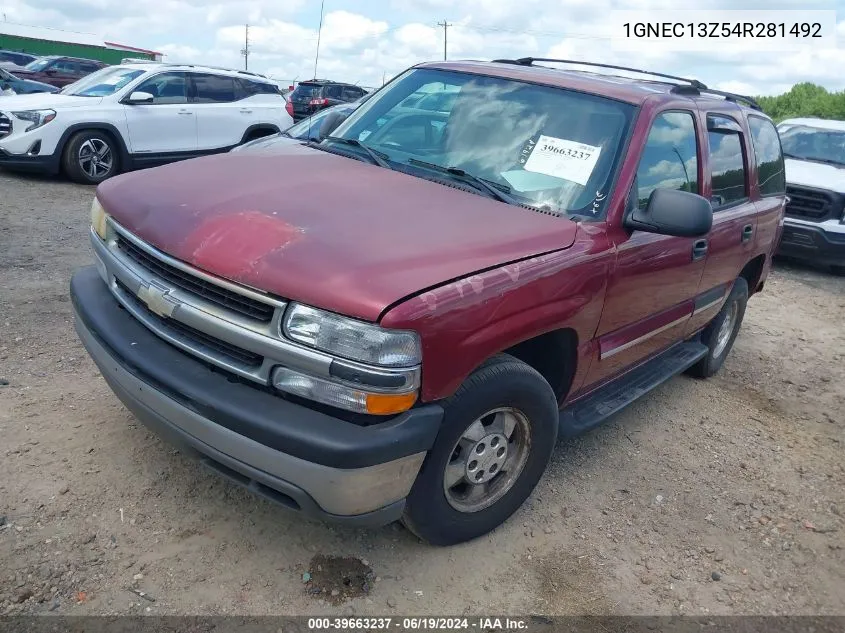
(246, 111)
(185, 112)
(747, 233)
(699, 249)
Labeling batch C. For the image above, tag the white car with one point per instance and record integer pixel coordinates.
(814, 227)
(137, 115)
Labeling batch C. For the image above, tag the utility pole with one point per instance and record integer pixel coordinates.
(445, 26)
(245, 51)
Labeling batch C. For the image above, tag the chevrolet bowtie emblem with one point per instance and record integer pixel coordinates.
(157, 299)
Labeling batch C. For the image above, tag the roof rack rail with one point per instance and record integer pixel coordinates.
(728, 96)
(529, 61)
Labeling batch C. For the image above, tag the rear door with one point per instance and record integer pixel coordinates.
(222, 116)
(168, 124)
(651, 290)
(732, 238)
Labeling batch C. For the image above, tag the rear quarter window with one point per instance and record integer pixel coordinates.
(768, 156)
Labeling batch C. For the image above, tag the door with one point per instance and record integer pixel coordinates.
(168, 124)
(732, 238)
(222, 116)
(650, 292)
(771, 176)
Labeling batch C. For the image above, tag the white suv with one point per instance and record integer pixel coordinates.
(137, 115)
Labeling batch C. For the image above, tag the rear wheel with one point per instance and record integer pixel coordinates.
(497, 438)
(90, 157)
(720, 334)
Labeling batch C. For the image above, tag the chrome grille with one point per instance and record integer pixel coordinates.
(813, 204)
(216, 294)
(5, 125)
(208, 344)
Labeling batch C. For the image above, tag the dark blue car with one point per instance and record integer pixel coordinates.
(22, 86)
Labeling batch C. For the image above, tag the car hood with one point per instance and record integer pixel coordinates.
(47, 100)
(322, 229)
(818, 175)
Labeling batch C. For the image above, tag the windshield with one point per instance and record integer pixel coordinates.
(812, 143)
(39, 64)
(544, 146)
(103, 82)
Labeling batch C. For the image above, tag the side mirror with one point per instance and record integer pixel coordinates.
(50, 71)
(673, 212)
(137, 98)
(331, 123)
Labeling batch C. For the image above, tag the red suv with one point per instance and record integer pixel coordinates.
(60, 71)
(400, 321)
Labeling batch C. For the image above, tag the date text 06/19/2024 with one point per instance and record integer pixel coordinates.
(418, 624)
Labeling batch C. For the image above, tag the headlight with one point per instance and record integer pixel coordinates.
(37, 118)
(352, 339)
(98, 218)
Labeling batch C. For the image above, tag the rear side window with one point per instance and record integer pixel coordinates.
(333, 92)
(249, 88)
(727, 163)
(214, 89)
(670, 157)
(768, 155)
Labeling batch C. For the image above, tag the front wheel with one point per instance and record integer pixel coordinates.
(720, 334)
(497, 438)
(90, 157)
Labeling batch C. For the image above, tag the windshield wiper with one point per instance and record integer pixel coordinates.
(378, 158)
(494, 189)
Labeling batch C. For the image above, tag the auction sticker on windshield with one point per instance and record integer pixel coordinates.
(561, 158)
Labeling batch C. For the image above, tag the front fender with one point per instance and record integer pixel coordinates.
(464, 322)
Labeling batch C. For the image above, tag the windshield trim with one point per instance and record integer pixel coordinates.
(618, 164)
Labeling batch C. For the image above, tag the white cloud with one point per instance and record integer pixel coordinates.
(364, 41)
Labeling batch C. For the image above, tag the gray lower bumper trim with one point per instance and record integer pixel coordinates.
(370, 495)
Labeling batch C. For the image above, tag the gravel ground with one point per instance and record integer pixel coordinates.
(723, 496)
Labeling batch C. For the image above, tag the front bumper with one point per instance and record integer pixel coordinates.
(306, 460)
(40, 163)
(811, 242)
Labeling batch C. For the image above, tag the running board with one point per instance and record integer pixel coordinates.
(598, 406)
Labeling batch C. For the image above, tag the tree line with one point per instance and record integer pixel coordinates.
(805, 100)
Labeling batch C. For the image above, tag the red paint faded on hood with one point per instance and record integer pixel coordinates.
(322, 229)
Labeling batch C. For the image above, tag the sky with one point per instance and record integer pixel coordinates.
(369, 41)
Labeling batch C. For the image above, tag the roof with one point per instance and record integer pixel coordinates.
(133, 49)
(53, 35)
(626, 89)
(825, 124)
(233, 72)
(602, 82)
(67, 37)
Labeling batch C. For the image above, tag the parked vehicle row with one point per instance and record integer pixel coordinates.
(399, 321)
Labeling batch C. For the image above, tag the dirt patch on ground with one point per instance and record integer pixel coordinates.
(338, 579)
(741, 475)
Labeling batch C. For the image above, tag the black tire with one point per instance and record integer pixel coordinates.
(711, 363)
(838, 270)
(503, 381)
(81, 171)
